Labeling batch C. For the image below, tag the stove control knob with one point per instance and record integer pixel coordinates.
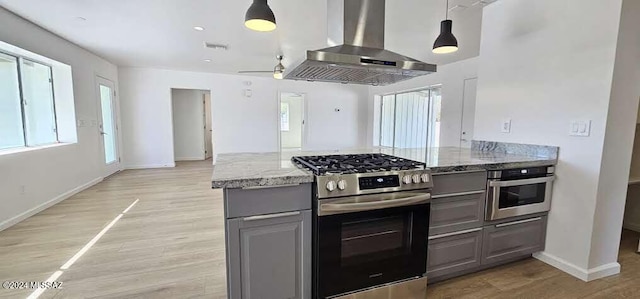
(425, 177)
(342, 184)
(416, 178)
(331, 185)
(406, 179)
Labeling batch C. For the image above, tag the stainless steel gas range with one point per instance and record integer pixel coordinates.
(371, 223)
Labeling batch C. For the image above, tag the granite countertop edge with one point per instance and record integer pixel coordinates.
(307, 177)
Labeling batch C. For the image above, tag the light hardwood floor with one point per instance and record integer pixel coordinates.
(171, 245)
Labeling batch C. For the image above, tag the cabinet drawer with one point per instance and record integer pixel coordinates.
(456, 212)
(450, 254)
(266, 200)
(444, 183)
(515, 239)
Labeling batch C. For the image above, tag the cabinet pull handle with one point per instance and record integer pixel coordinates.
(271, 216)
(462, 232)
(518, 222)
(269, 186)
(457, 194)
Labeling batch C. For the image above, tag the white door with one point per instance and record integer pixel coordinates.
(108, 126)
(468, 111)
(292, 121)
(208, 131)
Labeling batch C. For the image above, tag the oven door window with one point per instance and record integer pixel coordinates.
(521, 195)
(363, 249)
(376, 238)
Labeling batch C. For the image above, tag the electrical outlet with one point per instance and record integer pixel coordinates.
(506, 126)
(23, 189)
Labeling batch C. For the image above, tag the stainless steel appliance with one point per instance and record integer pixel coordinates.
(371, 222)
(356, 28)
(516, 192)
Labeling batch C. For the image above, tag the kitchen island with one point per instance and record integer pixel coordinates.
(269, 210)
(240, 170)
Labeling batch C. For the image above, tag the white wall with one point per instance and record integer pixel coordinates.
(452, 77)
(49, 175)
(240, 124)
(618, 142)
(293, 137)
(188, 124)
(543, 64)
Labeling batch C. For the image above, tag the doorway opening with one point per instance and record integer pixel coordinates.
(192, 129)
(292, 121)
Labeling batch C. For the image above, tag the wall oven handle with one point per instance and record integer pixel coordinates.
(546, 179)
(374, 205)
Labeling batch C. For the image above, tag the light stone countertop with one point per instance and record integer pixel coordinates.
(275, 168)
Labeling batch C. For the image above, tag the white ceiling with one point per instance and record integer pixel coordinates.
(160, 34)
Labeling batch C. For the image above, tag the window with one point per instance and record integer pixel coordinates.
(284, 117)
(410, 119)
(27, 111)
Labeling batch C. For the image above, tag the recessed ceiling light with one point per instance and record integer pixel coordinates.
(198, 28)
(207, 60)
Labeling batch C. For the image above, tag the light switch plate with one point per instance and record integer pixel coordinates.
(580, 128)
(505, 127)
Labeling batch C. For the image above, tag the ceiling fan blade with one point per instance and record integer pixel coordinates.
(246, 72)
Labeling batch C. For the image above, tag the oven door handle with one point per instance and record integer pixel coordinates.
(547, 179)
(374, 205)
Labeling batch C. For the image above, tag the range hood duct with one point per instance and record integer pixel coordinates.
(356, 31)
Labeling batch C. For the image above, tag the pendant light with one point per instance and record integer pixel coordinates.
(278, 71)
(260, 17)
(446, 42)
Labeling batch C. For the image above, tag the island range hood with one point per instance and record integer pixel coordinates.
(357, 27)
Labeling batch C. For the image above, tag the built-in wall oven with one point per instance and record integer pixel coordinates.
(517, 192)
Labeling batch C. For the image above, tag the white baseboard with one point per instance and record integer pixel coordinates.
(13, 221)
(632, 226)
(578, 272)
(147, 166)
(190, 159)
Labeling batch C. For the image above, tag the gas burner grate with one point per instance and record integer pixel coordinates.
(358, 163)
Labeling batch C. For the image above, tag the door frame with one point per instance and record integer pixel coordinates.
(305, 119)
(208, 130)
(462, 114)
(116, 166)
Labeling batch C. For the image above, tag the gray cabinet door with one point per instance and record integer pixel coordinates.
(270, 256)
(456, 212)
(512, 240)
(452, 253)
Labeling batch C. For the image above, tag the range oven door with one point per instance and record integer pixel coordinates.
(369, 240)
(509, 198)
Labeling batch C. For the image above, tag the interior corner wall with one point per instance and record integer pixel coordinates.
(618, 141)
(50, 175)
(240, 123)
(544, 64)
(451, 77)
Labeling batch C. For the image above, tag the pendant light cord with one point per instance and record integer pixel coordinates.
(446, 14)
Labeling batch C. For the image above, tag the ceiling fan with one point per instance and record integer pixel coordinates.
(278, 70)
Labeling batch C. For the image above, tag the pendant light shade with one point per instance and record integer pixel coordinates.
(446, 42)
(260, 17)
(278, 71)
